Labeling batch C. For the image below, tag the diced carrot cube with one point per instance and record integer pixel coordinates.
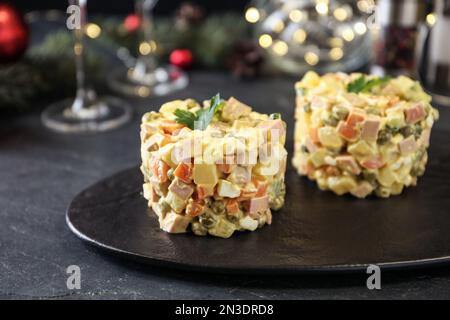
(159, 169)
(372, 163)
(232, 206)
(332, 171)
(307, 168)
(354, 118)
(348, 132)
(194, 208)
(170, 126)
(249, 191)
(314, 135)
(184, 172)
(261, 187)
(225, 167)
(204, 191)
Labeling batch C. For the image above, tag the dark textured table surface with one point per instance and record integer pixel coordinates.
(41, 171)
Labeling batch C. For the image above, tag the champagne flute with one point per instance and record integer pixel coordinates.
(87, 112)
(145, 78)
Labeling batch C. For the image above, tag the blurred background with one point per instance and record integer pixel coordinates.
(149, 48)
(166, 7)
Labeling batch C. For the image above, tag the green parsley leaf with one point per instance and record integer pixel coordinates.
(185, 117)
(363, 85)
(375, 82)
(206, 115)
(357, 85)
(202, 118)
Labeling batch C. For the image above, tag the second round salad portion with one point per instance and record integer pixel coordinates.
(216, 167)
(362, 134)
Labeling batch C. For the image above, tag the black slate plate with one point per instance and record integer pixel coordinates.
(315, 231)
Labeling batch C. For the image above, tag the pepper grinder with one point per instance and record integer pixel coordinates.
(433, 53)
(396, 29)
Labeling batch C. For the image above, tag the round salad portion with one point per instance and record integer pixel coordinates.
(361, 134)
(214, 168)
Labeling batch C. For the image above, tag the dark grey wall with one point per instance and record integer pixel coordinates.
(126, 6)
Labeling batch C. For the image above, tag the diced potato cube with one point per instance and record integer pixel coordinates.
(175, 202)
(341, 185)
(329, 137)
(228, 189)
(234, 109)
(362, 190)
(175, 223)
(165, 154)
(395, 117)
(240, 175)
(205, 174)
(318, 157)
(222, 229)
(171, 106)
(361, 148)
(386, 176)
(248, 223)
(310, 80)
(149, 193)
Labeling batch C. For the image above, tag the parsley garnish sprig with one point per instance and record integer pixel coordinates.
(363, 85)
(202, 118)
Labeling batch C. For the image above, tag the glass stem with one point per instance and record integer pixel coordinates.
(145, 63)
(84, 96)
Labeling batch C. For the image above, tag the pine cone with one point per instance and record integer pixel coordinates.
(246, 60)
(188, 14)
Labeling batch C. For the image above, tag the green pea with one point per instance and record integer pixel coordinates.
(301, 91)
(232, 219)
(417, 171)
(339, 112)
(407, 131)
(374, 111)
(417, 131)
(307, 107)
(165, 206)
(392, 129)
(384, 136)
(199, 229)
(207, 222)
(275, 116)
(331, 121)
(370, 177)
(170, 174)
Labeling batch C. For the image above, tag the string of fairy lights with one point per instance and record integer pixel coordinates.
(315, 32)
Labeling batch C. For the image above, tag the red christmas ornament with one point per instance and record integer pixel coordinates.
(132, 22)
(182, 58)
(13, 34)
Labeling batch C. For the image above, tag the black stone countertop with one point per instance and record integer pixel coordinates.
(41, 171)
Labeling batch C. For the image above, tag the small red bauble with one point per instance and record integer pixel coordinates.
(13, 34)
(132, 22)
(182, 58)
